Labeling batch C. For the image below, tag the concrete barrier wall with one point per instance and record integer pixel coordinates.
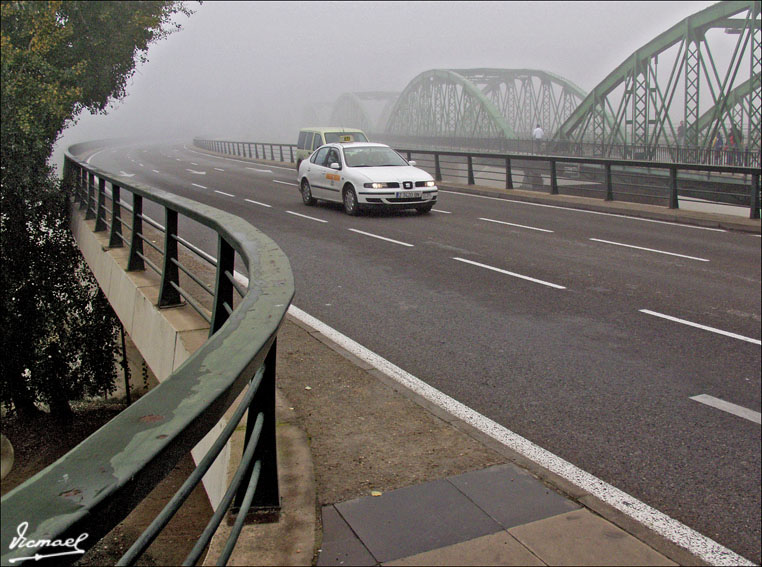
(165, 337)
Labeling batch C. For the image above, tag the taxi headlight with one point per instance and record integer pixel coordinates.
(376, 185)
(431, 184)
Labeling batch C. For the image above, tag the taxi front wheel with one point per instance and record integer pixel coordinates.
(350, 201)
(307, 197)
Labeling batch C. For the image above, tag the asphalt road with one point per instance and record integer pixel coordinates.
(550, 321)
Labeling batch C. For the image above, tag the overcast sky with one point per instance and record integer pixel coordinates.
(246, 70)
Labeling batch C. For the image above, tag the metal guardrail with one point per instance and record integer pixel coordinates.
(70, 505)
(637, 180)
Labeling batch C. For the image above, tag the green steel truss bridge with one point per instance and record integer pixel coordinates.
(703, 72)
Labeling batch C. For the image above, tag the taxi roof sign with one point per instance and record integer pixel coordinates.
(347, 138)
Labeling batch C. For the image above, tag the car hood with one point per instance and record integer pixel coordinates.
(394, 173)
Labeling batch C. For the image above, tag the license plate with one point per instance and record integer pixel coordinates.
(408, 194)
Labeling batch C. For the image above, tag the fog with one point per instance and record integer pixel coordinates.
(247, 70)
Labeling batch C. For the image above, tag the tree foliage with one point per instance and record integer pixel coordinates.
(58, 58)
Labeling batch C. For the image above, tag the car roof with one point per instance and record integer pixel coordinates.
(324, 129)
(359, 144)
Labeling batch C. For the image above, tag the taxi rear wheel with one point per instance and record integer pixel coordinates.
(307, 197)
(350, 201)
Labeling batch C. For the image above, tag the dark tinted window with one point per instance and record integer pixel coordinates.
(302, 143)
(317, 141)
(319, 157)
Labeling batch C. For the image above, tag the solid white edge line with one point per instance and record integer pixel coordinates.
(381, 237)
(232, 159)
(584, 211)
(258, 203)
(285, 183)
(704, 327)
(728, 407)
(515, 275)
(649, 249)
(305, 216)
(223, 193)
(514, 224)
(680, 534)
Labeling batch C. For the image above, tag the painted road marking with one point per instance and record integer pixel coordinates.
(704, 327)
(291, 169)
(196, 172)
(440, 211)
(739, 411)
(258, 203)
(95, 154)
(218, 169)
(125, 174)
(518, 225)
(305, 216)
(197, 185)
(155, 171)
(583, 211)
(675, 531)
(380, 237)
(285, 183)
(515, 275)
(649, 250)
(260, 170)
(223, 193)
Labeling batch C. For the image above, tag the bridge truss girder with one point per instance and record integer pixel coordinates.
(367, 111)
(633, 106)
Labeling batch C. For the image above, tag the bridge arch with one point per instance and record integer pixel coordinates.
(712, 84)
(366, 110)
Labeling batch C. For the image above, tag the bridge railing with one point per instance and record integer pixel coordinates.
(609, 178)
(252, 150)
(82, 496)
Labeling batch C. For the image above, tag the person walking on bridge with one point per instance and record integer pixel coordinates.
(537, 136)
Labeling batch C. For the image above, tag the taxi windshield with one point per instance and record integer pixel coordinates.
(372, 157)
(333, 137)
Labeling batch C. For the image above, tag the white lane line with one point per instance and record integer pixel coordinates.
(649, 250)
(440, 211)
(155, 171)
(380, 237)
(125, 174)
(95, 154)
(515, 275)
(518, 225)
(584, 211)
(197, 185)
(178, 159)
(140, 164)
(218, 169)
(680, 534)
(193, 163)
(260, 170)
(285, 183)
(223, 193)
(305, 216)
(719, 404)
(196, 172)
(258, 203)
(704, 327)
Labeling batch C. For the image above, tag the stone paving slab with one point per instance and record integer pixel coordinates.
(582, 538)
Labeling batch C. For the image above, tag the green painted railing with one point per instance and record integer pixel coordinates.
(66, 508)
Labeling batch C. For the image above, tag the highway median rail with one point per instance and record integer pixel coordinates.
(66, 508)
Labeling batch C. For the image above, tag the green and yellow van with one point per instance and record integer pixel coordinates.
(312, 138)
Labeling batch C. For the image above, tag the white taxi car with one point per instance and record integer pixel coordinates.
(361, 175)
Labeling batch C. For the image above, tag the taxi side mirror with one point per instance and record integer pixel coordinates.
(412, 162)
(335, 165)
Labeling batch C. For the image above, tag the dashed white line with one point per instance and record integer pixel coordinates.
(223, 193)
(515, 275)
(155, 171)
(441, 211)
(285, 183)
(704, 327)
(305, 216)
(196, 172)
(380, 237)
(584, 211)
(258, 203)
(734, 409)
(218, 169)
(649, 250)
(260, 170)
(125, 174)
(140, 164)
(197, 185)
(518, 225)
